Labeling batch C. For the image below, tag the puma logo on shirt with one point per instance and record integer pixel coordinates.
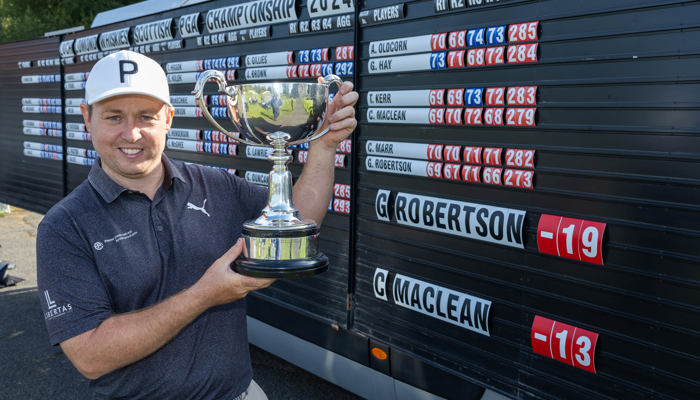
(191, 206)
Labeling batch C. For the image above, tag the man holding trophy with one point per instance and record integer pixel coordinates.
(134, 266)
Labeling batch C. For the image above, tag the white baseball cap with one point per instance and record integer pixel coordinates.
(126, 72)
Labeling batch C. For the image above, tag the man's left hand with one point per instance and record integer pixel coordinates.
(340, 116)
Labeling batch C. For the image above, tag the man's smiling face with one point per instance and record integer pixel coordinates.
(129, 133)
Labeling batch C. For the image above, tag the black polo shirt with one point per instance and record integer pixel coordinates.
(104, 250)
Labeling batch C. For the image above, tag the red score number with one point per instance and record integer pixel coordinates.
(522, 95)
(436, 116)
(492, 155)
(520, 116)
(518, 178)
(455, 97)
(452, 153)
(563, 342)
(524, 32)
(475, 57)
(455, 59)
(577, 239)
(492, 175)
(315, 70)
(522, 53)
(435, 152)
(344, 53)
(519, 158)
(472, 116)
(494, 55)
(341, 206)
(451, 171)
(493, 116)
(453, 116)
(345, 146)
(495, 96)
(438, 41)
(471, 173)
(472, 155)
(341, 190)
(457, 39)
(339, 160)
(434, 170)
(436, 97)
(302, 156)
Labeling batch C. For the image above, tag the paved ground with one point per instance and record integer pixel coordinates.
(30, 368)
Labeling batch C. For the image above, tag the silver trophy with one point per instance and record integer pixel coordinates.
(277, 114)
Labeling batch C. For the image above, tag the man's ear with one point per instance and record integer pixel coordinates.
(86, 116)
(170, 115)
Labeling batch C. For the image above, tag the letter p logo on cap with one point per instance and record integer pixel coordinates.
(127, 67)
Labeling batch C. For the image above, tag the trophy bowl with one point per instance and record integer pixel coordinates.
(278, 244)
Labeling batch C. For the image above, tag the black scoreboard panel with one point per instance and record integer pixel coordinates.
(527, 193)
(78, 54)
(517, 209)
(31, 167)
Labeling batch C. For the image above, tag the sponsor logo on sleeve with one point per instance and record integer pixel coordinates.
(53, 309)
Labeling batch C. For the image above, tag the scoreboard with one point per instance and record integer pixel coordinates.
(516, 211)
(506, 152)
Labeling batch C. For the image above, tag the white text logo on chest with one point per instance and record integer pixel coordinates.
(117, 238)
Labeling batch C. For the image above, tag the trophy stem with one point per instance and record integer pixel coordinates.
(279, 156)
(280, 212)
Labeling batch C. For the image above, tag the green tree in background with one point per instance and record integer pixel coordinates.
(30, 19)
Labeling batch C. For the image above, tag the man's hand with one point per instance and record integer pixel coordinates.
(221, 285)
(339, 116)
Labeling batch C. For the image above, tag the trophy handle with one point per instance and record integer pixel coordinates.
(230, 91)
(328, 80)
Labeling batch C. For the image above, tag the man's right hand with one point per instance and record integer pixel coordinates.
(221, 285)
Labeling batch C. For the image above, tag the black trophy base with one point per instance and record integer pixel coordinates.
(281, 269)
